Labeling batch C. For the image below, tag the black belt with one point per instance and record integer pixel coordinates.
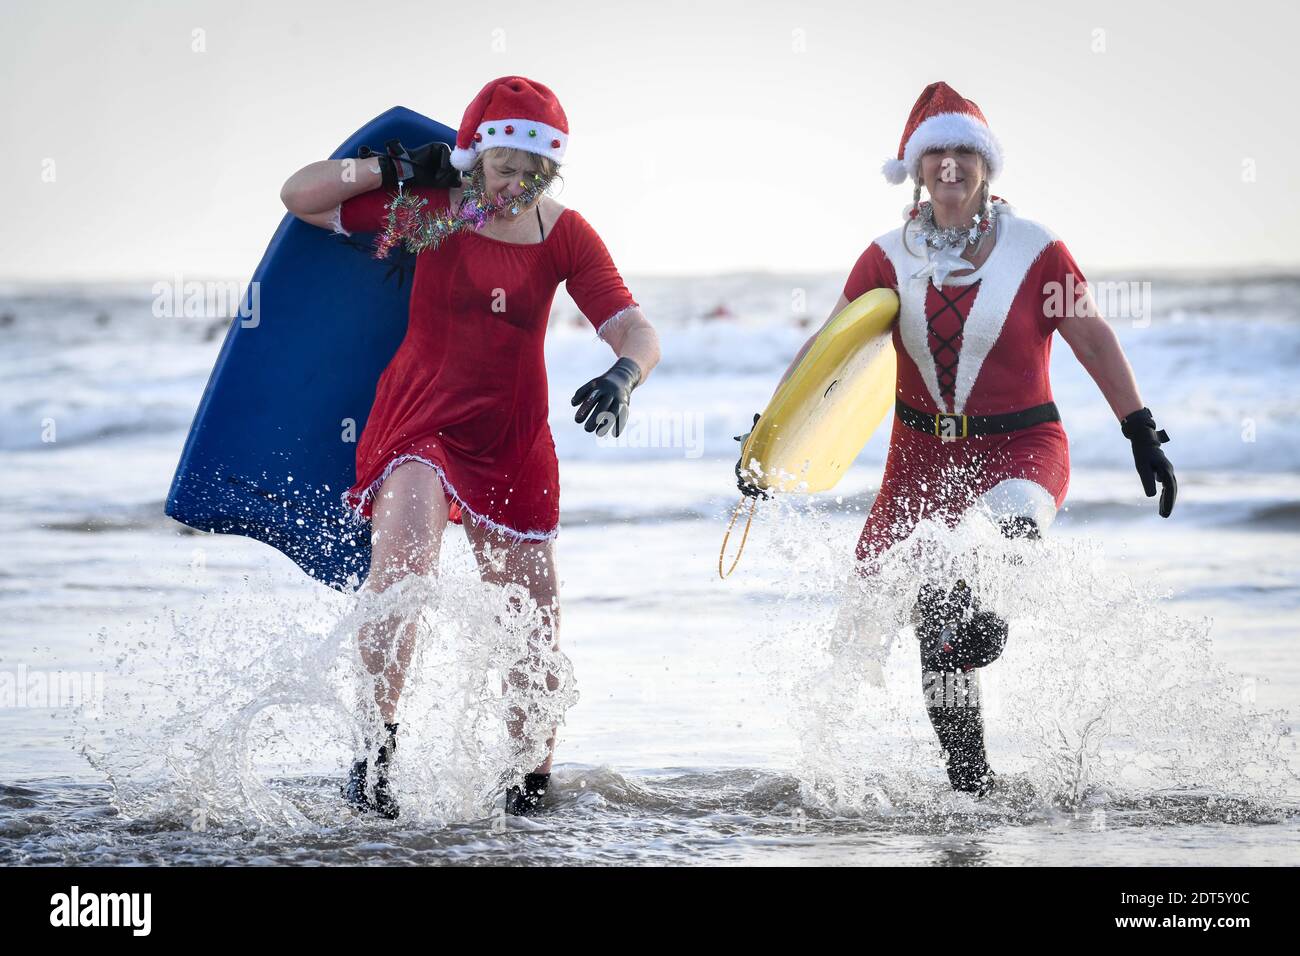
(946, 425)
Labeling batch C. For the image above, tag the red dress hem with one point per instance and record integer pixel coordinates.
(361, 503)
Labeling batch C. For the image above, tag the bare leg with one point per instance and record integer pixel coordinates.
(530, 564)
(409, 516)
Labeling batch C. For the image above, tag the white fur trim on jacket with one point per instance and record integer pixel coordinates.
(1019, 244)
(1019, 498)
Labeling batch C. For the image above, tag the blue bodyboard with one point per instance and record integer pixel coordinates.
(271, 451)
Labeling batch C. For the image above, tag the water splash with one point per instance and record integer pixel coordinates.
(205, 714)
(1105, 695)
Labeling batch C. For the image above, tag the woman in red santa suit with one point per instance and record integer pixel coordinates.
(458, 430)
(981, 292)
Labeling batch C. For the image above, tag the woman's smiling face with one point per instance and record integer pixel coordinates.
(953, 176)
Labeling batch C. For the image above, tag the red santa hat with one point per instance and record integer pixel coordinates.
(942, 118)
(511, 111)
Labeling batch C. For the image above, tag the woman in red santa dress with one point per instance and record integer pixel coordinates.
(458, 430)
(981, 292)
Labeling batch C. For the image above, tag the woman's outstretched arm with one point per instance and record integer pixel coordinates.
(632, 336)
(1097, 348)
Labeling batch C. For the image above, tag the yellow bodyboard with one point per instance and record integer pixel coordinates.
(824, 413)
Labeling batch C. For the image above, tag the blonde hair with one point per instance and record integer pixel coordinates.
(535, 162)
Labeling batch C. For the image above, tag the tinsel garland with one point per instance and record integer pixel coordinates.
(408, 223)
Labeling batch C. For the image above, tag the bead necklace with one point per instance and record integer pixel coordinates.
(943, 246)
(937, 237)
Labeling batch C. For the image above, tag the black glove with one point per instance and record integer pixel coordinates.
(604, 400)
(427, 165)
(1152, 465)
(747, 488)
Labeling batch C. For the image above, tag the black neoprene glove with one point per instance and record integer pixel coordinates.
(1152, 465)
(427, 165)
(604, 400)
(747, 488)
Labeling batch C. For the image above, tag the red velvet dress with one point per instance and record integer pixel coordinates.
(981, 345)
(466, 391)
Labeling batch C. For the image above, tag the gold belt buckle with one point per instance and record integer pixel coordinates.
(949, 427)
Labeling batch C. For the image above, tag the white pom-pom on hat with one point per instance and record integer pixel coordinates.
(895, 170)
(463, 159)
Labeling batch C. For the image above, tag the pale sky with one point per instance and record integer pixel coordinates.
(705, 136)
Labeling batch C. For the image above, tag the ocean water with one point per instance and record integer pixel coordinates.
(173, 697)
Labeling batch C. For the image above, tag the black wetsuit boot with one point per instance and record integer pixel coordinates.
(354, 790)
(522, 801)
(957, 638)
(959, 727)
